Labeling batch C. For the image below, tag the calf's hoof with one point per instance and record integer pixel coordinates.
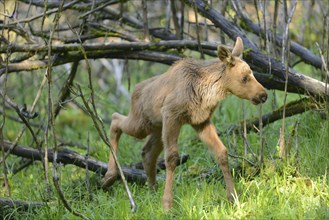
(108, 180)
(231, 197)
(153, 187)
(167, 204)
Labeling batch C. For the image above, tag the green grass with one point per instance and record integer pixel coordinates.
(295, 189)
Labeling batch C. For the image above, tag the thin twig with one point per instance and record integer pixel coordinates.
(261, 142)
(273, 45)
(244, 127)
(297, 144)
(99, 125)
(5, 171)
(145, 21)
(263, 8)
(88, 13)
(65, 91)
(182, 18)
(87, 170)
(274, 26)
(290, 140)
(243, 158)
(248, 146)
(174, 18)
(44, 14)
(198, 30)
(326, 72)
(285, 62)
(168, 15)
(327, 58)
(55, 10)
(102, 133)
(25, 163)
(23, 114)
(4, 91)
(258, 19)
(51, 123)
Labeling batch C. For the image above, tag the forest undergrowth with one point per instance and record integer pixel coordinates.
(294, 188)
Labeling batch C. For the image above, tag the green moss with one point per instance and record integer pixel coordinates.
(244, 25)
(246, 52)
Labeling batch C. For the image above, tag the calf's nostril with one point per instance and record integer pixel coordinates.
(264, 97)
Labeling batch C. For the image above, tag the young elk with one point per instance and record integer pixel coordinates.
(187, 93)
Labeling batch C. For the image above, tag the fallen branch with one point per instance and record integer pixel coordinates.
(66, 156)
(18, 204)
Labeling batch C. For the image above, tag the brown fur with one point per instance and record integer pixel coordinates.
(187, 93)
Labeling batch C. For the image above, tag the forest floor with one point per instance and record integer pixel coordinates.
(297, 188)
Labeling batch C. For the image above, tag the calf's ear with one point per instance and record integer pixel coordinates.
(238, 48)
(225, 55)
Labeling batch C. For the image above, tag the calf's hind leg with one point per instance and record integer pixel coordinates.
(126, 124)
(150, 154)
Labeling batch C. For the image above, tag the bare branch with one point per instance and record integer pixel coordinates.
(145, 21)
(305, 54)
(65, 91)
(154, 56)
(115, 47)
(23, 114)
(97, 8)
(55, 10)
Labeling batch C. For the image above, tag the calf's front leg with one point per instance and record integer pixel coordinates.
(207, 133)
(170, 133)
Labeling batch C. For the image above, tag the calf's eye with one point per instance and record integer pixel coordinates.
(245, 79)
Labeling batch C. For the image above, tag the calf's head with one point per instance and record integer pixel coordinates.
(239, 78)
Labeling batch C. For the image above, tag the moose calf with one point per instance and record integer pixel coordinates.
(187, 93)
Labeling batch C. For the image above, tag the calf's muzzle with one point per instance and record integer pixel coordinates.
(259, 98)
